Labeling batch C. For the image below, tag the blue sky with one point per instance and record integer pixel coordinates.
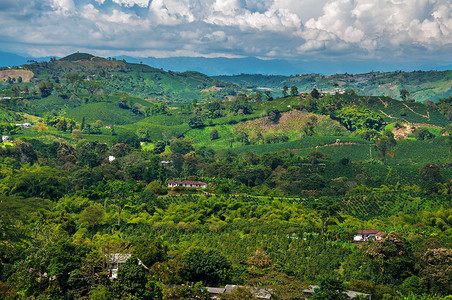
(407, 32)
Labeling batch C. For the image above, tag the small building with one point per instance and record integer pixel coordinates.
(111, 158)
(24, 125)
(114, 262)
(351, 294)
(166, 163)
(367, 234)
(187, 183)
(215, 293)
(5, 138)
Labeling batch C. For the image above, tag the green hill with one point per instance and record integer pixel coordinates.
(135, 79)
(77, 56)
(394, 110)
(423, 85)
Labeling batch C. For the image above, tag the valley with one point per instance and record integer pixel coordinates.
(277, 183)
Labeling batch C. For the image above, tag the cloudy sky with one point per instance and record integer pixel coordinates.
(412, 31)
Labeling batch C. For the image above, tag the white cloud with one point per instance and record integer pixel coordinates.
(64, 7)
(216, 36)
(272, 20)
(130, 3)
(378, 24)
(264, 28)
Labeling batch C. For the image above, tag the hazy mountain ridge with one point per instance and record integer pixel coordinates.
(422, 85)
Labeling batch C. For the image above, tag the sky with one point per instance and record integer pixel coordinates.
(411, 32)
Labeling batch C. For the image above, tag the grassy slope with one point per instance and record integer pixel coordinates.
(108, 113)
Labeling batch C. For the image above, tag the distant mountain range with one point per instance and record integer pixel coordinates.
(162, 79)
(251, 65)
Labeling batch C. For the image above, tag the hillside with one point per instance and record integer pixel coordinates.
(259, 190)
(136, 79)
(423, 85)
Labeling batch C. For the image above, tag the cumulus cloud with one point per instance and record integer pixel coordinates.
(263, 28)
(130, 3)
(64, 7)
(375, 25)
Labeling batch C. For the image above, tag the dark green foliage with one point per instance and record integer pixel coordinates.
(132, 282)
(46, 88)
(329, 289)
(392, 258)
(208, 266)
(404, 94)
(437, 274)
(327, 208)
(241, 107)
(195, 122)
(181, 146)
(294, 91)
(159, 147)
(9, 129)
(213, 134)
(128, 138)
(284, 90)
(151, 252)
(274, 115)
(315, 93)
(423, 134)
(196, 291)
(27, 153)
(385, 145)
(430, 175)
(37, 181)
(77, 56)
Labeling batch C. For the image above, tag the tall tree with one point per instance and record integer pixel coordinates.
(404, 94)
(120, 195)
(285, 90)
(46, 88)
(208, 266)
(315, 93)
(384, 145)
(449, 138)
(328, 209)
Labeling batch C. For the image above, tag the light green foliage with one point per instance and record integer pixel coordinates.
(359, 118)
(92, 215)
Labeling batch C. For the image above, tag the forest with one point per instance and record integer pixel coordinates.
(88, 175)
